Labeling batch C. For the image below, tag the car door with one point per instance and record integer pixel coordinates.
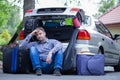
(110, 48)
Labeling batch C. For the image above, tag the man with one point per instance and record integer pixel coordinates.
(45, 54)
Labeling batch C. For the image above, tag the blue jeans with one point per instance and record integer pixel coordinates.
(57, 60)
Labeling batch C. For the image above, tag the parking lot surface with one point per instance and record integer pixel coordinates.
(109, 75)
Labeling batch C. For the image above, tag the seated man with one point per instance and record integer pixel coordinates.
(46, 54)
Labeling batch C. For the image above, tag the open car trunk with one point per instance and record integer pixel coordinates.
(55, 28)
(63, 33)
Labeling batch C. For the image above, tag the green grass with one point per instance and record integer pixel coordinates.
(1, 56)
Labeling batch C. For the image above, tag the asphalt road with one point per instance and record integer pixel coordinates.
(109, 75)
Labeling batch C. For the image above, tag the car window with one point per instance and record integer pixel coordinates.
(87, 21)
(118, 41)
(102, 29)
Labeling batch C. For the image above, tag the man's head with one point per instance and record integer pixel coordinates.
(40, 34)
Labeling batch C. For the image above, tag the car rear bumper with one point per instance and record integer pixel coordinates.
(80, 47)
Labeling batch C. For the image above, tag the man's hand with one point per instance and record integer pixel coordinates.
(34, 32)
(49, 57)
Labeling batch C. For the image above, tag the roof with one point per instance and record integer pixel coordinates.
(112, 16)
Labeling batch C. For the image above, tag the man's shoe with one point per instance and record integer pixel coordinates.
(57, 72)
(38, 71)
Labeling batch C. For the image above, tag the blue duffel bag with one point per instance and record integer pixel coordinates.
(90, 64)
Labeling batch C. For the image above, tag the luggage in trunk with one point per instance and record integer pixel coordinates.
(30, 25)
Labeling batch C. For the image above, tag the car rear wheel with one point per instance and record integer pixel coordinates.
(100, 51)
(117, 67)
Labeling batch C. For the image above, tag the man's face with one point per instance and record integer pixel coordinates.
(41, 35)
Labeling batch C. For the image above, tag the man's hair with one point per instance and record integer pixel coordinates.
(41, 28)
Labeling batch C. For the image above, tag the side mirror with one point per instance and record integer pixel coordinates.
(116, 36)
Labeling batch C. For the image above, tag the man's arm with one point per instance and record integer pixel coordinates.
(26, 43)
(57, 46)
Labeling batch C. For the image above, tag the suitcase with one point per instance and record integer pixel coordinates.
(16, 60)
(90, 64)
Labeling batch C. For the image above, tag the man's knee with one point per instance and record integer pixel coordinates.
(33, 50)
(60, 52)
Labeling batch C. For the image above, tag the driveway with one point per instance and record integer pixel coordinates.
(109, 75)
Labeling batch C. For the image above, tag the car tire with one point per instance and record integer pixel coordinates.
(117, 67)
(100, 51)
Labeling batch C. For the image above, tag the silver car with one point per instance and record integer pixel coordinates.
(93, 36)
(100, 41)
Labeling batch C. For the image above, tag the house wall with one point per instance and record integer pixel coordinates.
(114, 28)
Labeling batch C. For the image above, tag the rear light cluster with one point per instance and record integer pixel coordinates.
(83, 35)
(29, 11)
(21, 35)
(74, 10)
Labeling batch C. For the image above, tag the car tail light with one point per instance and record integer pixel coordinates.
(83, 35)
(74, 9)
(29, 11)
(21, 36)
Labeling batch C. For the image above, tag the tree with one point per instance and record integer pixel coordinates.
(9, 15)
(5, 9)
(28, 4)
(9, 18)
(14, 19)
(69, 2)
(118, 1)
(105, 5)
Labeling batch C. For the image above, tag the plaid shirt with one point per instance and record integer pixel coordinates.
(42, 47)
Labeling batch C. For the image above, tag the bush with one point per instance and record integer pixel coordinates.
(1, 56)
(4, 37)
